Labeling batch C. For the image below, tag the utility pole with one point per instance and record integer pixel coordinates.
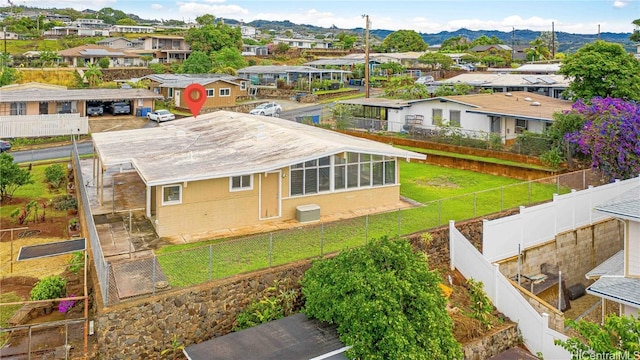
(366, 58)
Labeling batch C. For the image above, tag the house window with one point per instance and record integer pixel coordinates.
(171, 195)
(211, 92)
(18, 108)
(240, 183)
(243, 85)
(521, 126)
(311, 177)
(225, 92)
(363, 170)
(436, 117)
(454, 117)
(170, 93)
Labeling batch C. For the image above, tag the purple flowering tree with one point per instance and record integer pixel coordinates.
(610, 136)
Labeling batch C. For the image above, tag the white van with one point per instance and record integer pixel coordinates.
(425, 80)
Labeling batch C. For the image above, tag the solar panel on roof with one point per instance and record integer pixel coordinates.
(547, 80)
(531, 79)
(99, 52)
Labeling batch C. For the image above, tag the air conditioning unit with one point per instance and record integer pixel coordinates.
(308, 213)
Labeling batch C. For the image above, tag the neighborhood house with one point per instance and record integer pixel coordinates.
(227, 170)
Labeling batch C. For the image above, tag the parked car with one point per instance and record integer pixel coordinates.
(4, 146)
(267, 109)
(160, 115)
(95, 109)
(120, 107)
(425, 80)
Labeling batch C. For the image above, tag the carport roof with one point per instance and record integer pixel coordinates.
(290, 338)
(223, 144)
(75, 94)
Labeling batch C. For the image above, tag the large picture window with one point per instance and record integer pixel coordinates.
(172, 194)
(18, 108)
(350, 171)
(454, 117)
(240, 183)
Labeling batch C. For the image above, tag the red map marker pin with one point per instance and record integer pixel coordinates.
(195, 97)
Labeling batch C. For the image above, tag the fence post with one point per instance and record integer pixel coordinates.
(496, 275)
(399, 223)
(270, 249)
(321, 239)
(210, 261)
(452, 263)
(366, 229)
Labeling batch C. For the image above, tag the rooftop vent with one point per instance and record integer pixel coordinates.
(508, 94)
(527, 99)
(535, 103)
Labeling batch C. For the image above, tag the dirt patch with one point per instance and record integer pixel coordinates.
(438, 182)
(115, 123)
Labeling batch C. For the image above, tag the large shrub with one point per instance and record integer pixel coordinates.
(55, 174)
(385, 300)
(52, 287)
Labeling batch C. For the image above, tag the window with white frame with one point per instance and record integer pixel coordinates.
(436, 117)
(18, 108)
(454, 117)
(171, 194)
(240, 183)
(350, 171)
(225, 92)
(521, 126)
(211, 92)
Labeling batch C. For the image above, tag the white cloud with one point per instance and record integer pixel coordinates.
(61, 4)
(157, 7)
(193, 10)
(620, 3)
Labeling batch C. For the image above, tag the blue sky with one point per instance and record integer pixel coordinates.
(427, 16)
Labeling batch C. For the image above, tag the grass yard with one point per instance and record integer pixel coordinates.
(448, 194)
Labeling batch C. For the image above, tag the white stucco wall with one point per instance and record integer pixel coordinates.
(468, 121)
(633, 246)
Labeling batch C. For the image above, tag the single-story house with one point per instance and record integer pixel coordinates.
(505, 114)
(44, 99)
(618, 278)
(550, 85)
(268, 75)
(121, 43)
(91, 54)
(535, 69)
(226, 170)
(304, 43)
(222, 90)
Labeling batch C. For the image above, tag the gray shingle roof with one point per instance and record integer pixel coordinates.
(619, 289)
(626, 205)
(612, 266)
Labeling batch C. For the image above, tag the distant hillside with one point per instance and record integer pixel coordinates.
(567, 42)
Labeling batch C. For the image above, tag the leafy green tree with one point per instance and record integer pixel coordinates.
(104, 63)
(346, 41)
(436, 60)
(563, 123)
(110, 16)
(493, 60)
(456, 43)
(539, 50)
(197, 63)
(281, 48)
(405, 87)
(12, 176)
(485, 40)
(227, 58)
(8, 76)
(390, 68)
(213, 37)
(403, 41)
(602, 69)
(455, 89)
(386, 302)
(635, 36)
(126, 21)
(49, 58)
(55, 175)
(206, 19)
(617, 338)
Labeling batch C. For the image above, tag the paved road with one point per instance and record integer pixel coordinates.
(57, 152)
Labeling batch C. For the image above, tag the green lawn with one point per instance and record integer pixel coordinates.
(448, 194)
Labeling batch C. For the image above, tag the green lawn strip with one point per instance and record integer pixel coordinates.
(38, 191)
(473, 157)
(195, 263)
(7, 311)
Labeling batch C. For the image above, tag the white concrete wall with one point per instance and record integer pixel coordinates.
(633, 246)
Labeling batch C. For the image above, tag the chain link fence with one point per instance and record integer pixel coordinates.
(223, 258)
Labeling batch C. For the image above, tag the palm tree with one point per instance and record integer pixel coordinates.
(93, 75)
